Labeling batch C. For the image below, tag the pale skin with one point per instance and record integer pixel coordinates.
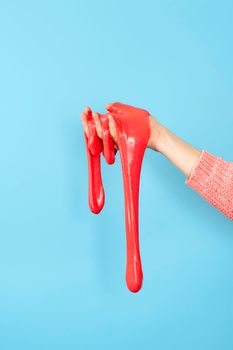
(183, 155)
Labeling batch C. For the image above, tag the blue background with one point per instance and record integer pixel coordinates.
(62, 268)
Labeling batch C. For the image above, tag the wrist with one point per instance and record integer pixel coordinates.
(158, 135)
(183, 155)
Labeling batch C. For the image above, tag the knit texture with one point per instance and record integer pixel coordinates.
(212, 178)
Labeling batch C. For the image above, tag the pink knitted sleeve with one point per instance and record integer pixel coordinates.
(212, 178)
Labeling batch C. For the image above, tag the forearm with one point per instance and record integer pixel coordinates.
(180, 153)
(209, 175)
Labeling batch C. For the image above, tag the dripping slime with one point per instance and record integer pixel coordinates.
(133, 132)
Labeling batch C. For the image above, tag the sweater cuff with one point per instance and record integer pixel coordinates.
(200, 175)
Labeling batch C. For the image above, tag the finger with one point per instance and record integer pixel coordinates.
(114, 107)
(97, 124)
(94, 142)
(109, 105)
(88, 111)
(84, 122)
(112, 127)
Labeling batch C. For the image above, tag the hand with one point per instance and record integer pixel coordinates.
(155, 126)
(112, 126)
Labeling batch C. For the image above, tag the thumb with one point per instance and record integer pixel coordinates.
(114, 107)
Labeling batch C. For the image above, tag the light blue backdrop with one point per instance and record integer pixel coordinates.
(61, 268)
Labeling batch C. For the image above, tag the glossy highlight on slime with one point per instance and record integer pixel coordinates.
(133, 133)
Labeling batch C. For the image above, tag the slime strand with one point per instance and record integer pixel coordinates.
(133, 132)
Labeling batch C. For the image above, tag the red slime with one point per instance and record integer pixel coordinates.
(133, 132)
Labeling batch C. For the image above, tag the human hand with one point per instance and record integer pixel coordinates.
(123, 109)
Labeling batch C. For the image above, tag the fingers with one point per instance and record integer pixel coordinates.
(112, 127)
(85, 117)
(114, 107)
(84, 122)
(109, 106)
(88, 111)
(97, 124)
(88, 117)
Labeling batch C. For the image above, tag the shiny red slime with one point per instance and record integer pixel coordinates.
(133, 133)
